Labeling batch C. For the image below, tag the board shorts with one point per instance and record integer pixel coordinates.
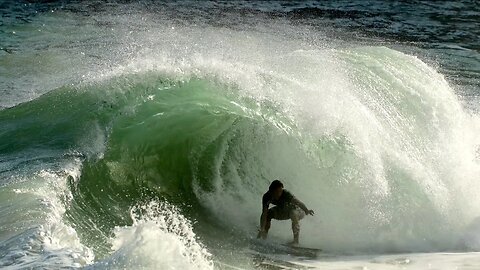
(284, 213)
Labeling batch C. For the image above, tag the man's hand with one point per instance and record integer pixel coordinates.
(310, 212)
(302, 206)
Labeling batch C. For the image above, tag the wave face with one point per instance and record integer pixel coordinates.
(186, 135)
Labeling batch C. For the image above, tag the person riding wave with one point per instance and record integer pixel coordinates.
(287, 206)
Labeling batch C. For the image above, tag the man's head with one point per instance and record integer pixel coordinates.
(276, 189)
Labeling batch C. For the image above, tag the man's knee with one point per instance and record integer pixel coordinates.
(296, 214)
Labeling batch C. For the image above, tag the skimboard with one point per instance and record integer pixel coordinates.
(302, 251)
(265, 246)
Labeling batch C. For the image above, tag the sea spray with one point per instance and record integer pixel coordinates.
(159, 238)
(202, 114)
(47, 240)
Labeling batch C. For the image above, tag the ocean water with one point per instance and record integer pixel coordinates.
(142, 134)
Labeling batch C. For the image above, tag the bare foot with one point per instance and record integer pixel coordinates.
(262, 235)
(293, 243)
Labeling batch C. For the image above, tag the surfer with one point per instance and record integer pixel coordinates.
(286, 207)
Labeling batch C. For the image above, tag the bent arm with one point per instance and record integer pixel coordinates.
(300, 204)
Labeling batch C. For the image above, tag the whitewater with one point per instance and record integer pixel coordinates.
(137, 139)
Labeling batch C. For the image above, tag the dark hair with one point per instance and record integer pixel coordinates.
(274, 185)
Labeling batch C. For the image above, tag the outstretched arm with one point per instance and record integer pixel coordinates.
(300, 204)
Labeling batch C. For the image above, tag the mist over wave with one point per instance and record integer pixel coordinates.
(195, 124)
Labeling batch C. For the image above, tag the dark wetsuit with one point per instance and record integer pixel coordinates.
(283, 206)
(286, 207)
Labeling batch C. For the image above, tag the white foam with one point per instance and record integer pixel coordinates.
(414, 261)
(52, 241)
(159, 238)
